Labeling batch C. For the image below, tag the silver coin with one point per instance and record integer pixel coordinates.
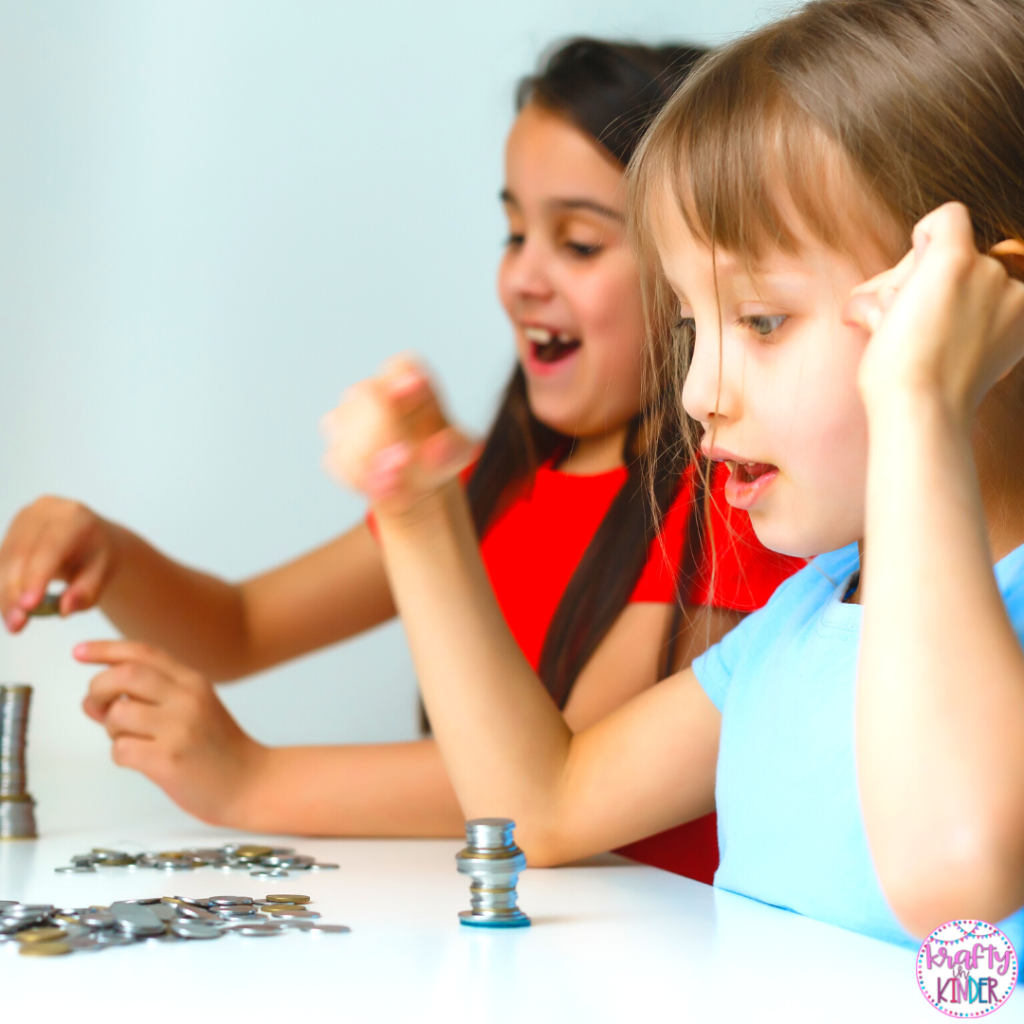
(319, 928)
(97, 919)
(229, 901)
(254, 931)
(149, 901)
(196, 930)
(295, 915)
(76, 869)
(197, 914)
(165, 911)
(324, 867)
(269, 873)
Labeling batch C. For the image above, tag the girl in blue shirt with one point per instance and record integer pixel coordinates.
(863, 734)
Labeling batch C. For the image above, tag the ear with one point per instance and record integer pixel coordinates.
(1010, 252)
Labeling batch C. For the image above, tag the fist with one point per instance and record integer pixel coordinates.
(390, 439)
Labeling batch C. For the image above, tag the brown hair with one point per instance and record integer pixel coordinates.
(864, 114)
(612, 92)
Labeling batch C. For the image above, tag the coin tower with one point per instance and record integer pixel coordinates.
(17, 808)
(493, 862)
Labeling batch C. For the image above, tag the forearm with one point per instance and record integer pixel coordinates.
(504, 743)
(388, 789)
(195, 617)
(940, 705)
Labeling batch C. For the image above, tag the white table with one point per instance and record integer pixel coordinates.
(610, 941)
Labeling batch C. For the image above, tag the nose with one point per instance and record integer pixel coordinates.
(711, 392)
(525, 272)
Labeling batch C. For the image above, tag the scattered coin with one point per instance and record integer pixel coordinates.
(40, 929)
(252, 857)
(45, 949)
(41, 935)
(284, 897)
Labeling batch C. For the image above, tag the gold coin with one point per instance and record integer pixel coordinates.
(254, 851)
(284, 897)
(286, 908)
(45, 949)
(40, 935)
(172, 855)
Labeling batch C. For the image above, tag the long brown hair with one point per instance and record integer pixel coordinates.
(612, 92)
(865, 115)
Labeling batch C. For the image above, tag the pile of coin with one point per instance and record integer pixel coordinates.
(259, 861)
(17, 808)
(44, 930)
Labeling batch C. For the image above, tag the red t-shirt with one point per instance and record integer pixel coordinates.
(532, 549)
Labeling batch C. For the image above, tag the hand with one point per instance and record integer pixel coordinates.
(54, 539)
(390, 439)
(167, 722)
(946, 320)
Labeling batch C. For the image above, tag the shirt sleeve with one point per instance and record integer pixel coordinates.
(736, 571)
(714, 668)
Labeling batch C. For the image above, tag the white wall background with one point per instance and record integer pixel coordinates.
(213, 217)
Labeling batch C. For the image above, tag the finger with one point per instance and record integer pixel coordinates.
(44, 563)
(133, 752)
(131, 680)
(18, 548)
(411, 395)
(132, 718)
(83, 590)
(115, 652)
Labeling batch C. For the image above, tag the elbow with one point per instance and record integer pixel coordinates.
(973, 873)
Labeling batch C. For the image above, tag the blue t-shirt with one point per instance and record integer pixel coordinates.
(789, 819)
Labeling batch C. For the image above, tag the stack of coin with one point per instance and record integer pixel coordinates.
(17, 814)
(493, 862)
(46, 930)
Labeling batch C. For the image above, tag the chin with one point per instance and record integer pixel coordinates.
(797, 540)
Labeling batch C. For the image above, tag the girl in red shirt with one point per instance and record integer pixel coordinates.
(567, 528)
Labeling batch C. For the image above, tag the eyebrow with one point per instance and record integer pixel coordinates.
(570, 204)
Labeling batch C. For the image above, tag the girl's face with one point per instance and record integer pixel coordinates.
(777, 396)
(568, 279)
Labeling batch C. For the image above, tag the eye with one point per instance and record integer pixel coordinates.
(583, 250)
(512, 239)
(764, 325)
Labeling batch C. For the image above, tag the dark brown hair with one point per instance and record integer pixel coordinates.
(612, 92)
(865, 115)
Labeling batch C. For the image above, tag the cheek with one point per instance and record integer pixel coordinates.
(608, 310)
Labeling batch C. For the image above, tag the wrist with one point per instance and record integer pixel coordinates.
(433, 511)
(245, 806)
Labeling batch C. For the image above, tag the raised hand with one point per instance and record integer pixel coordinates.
(54, 539)
(947, 320)
(390, 439)
(166, 721)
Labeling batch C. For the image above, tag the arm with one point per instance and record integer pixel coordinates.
(175, 730)
(647, 766)
(226, 630)
(231, 630)
(940, 704)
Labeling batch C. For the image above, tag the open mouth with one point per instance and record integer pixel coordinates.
(748, 472)
(549, 347)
